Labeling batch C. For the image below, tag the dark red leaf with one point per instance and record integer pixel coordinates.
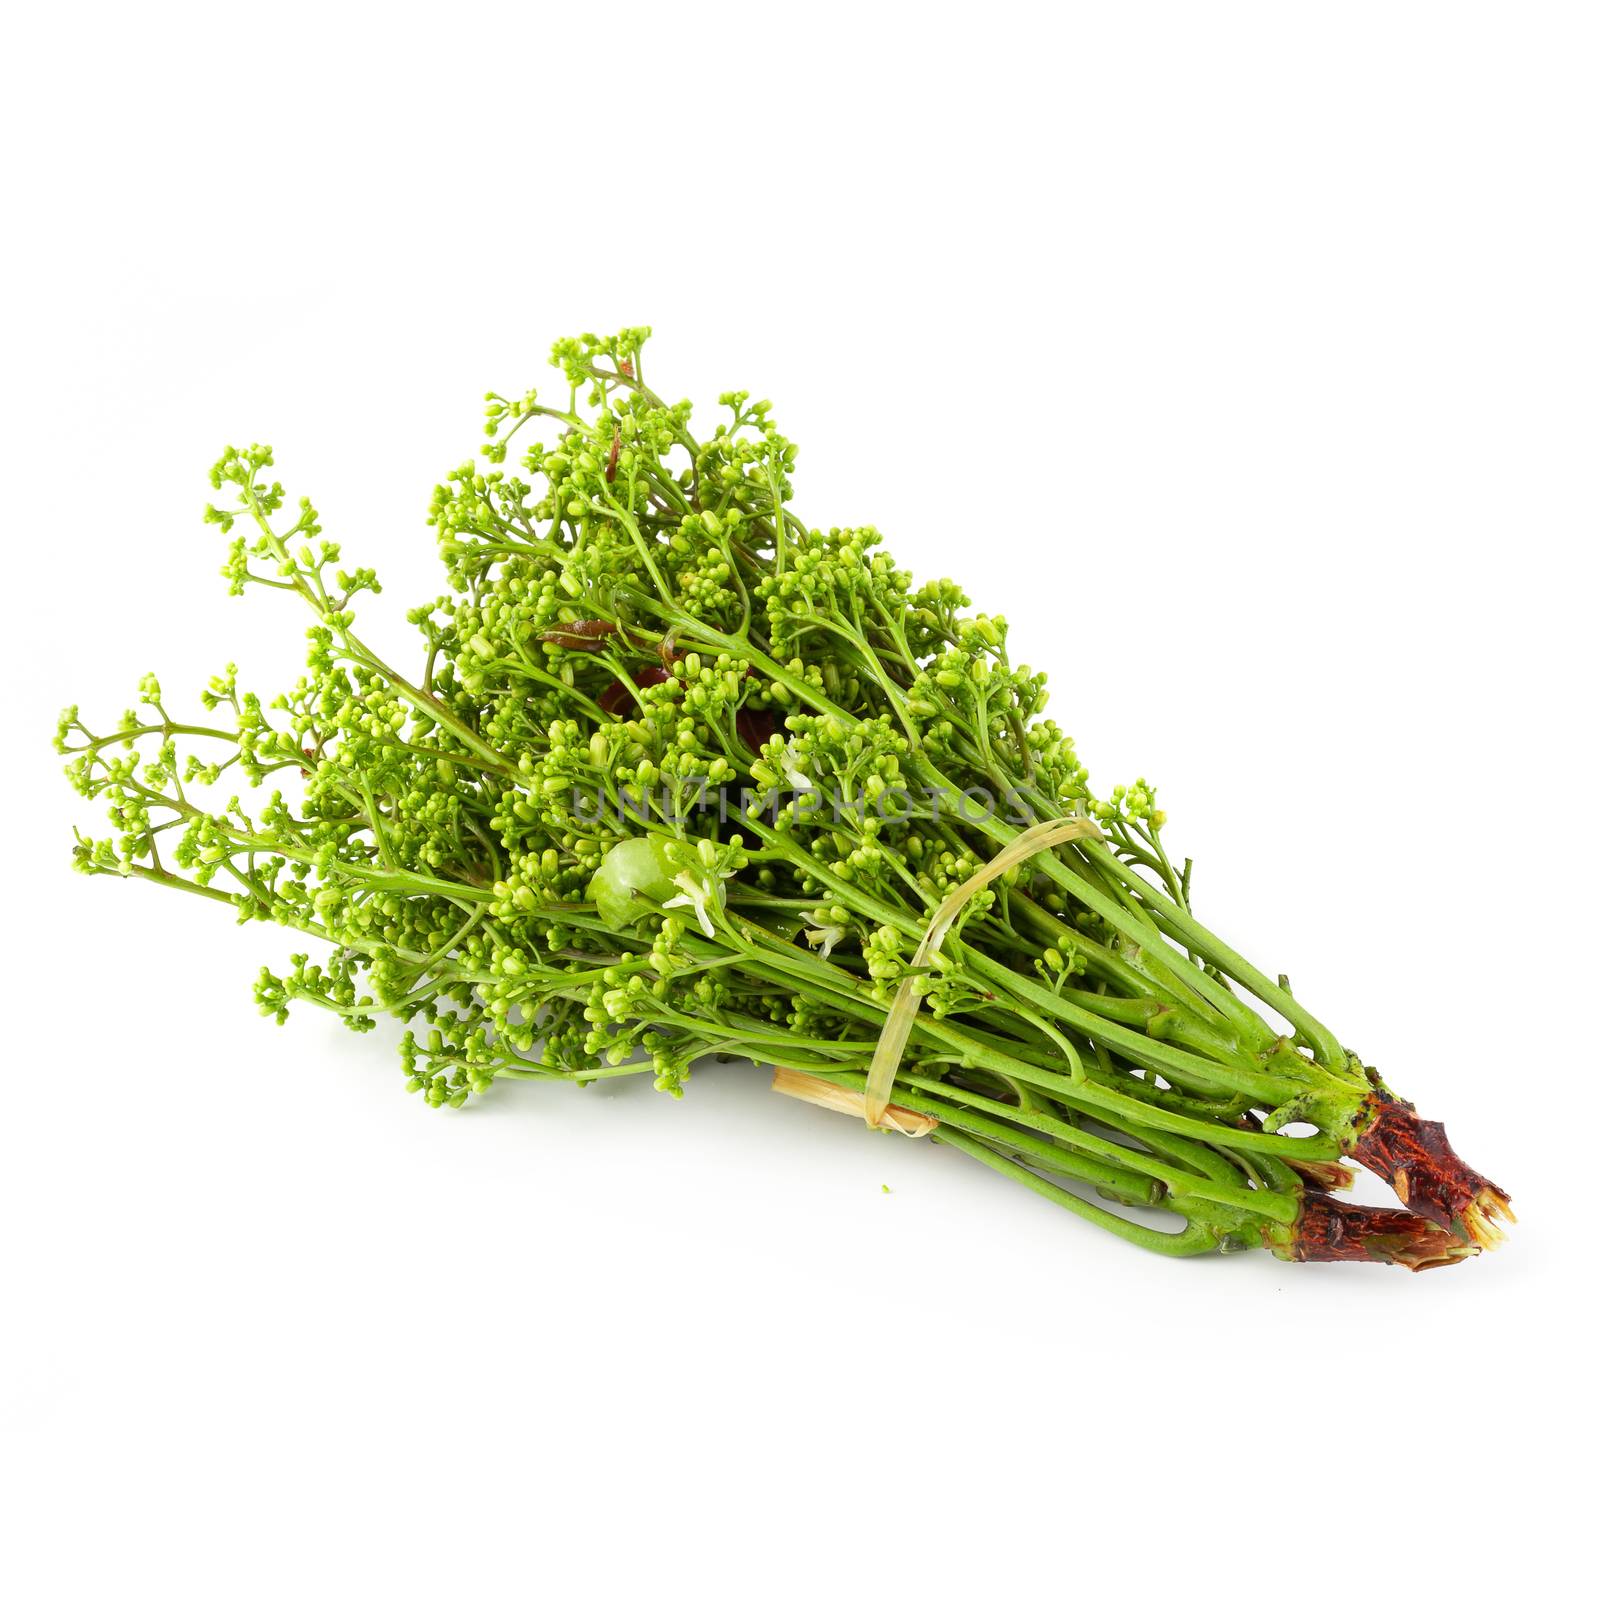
(616, 698)
(589, 634)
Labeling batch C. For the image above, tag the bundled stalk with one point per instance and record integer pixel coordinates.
(678, 776)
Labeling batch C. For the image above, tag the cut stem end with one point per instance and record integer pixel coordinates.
(1414, 1157)
(1335, 1230)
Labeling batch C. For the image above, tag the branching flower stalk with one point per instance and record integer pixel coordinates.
(683, 777)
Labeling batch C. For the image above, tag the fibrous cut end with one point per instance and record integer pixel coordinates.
(1481, 1220)
(1414, 1157)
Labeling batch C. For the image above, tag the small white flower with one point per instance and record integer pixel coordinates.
(791, 770)
(695, 895)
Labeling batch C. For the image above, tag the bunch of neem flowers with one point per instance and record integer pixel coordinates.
(676, 776)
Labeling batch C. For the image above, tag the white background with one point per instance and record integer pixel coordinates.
(1244, 357)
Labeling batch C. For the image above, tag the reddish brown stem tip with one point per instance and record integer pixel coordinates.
(1322, 1174)
(1335, 1230)
(1415, 1158)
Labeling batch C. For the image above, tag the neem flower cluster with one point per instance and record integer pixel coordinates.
(509, 847)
